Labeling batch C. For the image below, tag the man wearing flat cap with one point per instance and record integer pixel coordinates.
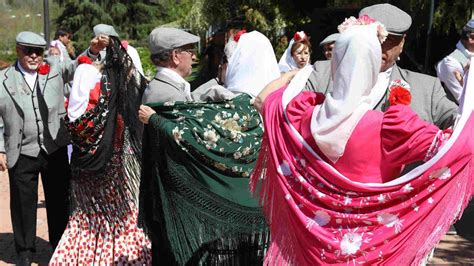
(108, 30)
(328, 44)
(173, 52)
(33, 140)
(429, 99)
(451, 69)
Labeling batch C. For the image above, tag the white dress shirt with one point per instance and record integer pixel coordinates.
(30, 77)
(176, 78)
(446, 68)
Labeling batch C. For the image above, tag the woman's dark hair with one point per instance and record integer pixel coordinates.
(62, 32)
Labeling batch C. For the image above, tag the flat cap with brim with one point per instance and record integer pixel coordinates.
(162, 39)
(329, 39)
(395, 20)
(28, 38)
(104, 29)
(469, 26)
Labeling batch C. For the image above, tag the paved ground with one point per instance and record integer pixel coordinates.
(453, 250)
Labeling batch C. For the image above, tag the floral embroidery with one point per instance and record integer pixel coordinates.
(322, 218)
(87, 130)
(381, 198)
(284, 169)
(442, 174)
(350, 243)
(177, 134)
(390, 220)
(407, 188)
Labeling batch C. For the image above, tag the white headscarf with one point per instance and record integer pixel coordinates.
(287, 62)
(355, 68)
(252, 65)
(85, 78)
(57, 44)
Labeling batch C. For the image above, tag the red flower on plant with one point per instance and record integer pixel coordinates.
(84, 60)
(44, 69)
(399, 95)
(238, 34)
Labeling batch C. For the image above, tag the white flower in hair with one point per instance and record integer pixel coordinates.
(364, 20)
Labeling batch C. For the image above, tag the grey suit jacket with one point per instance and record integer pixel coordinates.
(429, 99)
(12, 98)
(163, 89)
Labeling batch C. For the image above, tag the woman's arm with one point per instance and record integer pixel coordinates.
(273, 86)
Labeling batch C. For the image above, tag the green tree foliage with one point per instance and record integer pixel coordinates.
(448, 14)
(81, 18)
(132, 19)
(270, 17)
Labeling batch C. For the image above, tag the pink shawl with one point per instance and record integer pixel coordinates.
(318, 216)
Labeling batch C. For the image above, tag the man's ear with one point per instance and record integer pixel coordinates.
(175, 58)
(402, 43)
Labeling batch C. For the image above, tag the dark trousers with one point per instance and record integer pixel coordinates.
(55, 175)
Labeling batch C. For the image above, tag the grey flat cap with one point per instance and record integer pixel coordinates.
(28, 38)
(104, 29)
(469, 26)
(162, 39)
(395, 20)
(329, 39)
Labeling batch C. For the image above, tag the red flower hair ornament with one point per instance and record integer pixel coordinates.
(239, 34)
(43, 69)
(399, 93)
(300, 36)
(84, 60)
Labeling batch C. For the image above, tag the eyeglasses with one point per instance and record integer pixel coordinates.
(191, 51)
(29, 50)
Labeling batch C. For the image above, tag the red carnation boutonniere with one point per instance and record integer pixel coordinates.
(399, 93)
(238, 34)
(44, 69)
(84, 60)
(299, 36)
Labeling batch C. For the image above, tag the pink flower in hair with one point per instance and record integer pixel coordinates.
(364, 20)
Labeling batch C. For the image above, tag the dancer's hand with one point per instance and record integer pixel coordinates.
(144, 113)
(98, 44)
(3, 162)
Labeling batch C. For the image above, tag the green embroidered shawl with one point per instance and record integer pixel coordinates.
(197, 161)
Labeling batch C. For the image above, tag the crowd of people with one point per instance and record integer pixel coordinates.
(352, 159)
